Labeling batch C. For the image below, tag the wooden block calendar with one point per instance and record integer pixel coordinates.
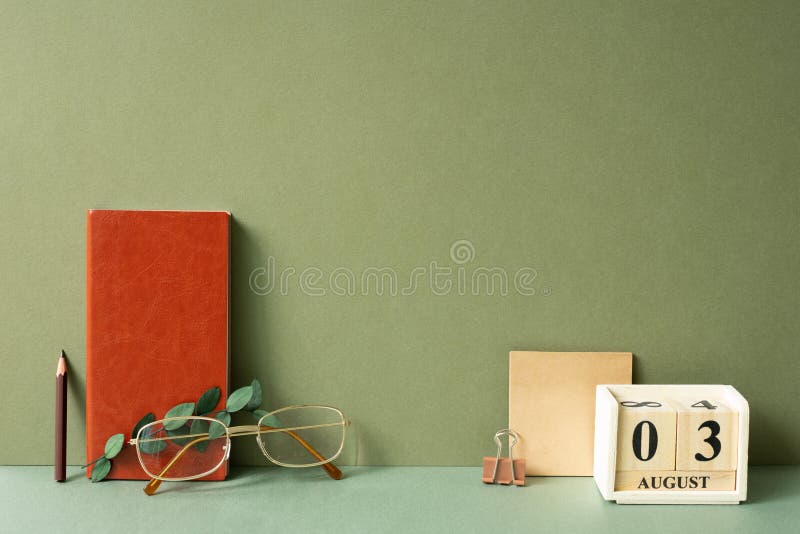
(671, 444)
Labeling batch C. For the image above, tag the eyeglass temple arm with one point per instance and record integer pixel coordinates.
(154, 483)
(329, 468)
(333, 471)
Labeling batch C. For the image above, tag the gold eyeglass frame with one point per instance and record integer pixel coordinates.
(236, 431)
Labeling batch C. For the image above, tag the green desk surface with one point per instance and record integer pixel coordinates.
(374, 499)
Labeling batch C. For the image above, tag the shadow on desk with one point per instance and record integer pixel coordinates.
(243, 477)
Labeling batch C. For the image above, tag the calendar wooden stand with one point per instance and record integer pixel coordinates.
(671, 444)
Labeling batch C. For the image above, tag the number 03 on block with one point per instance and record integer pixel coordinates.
(671, 444)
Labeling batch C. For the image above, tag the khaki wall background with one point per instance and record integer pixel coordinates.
(641, 157)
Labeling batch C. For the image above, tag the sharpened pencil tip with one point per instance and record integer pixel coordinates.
(62, 364)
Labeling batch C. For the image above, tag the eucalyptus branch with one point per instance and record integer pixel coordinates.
(247, 399)
(93, 462)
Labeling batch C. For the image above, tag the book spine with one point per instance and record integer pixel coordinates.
(89, 344)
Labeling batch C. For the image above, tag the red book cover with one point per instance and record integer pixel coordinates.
(157, 308)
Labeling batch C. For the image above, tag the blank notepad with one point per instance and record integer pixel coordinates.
(551, 398)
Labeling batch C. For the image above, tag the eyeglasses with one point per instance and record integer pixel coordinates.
(188, 448)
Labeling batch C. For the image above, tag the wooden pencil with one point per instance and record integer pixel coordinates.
(61, 419)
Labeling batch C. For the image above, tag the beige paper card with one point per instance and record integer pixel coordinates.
(551, 397)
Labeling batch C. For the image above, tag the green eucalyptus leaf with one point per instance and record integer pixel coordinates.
(239, 399)
(224, 417)
(101, 469)
(208, 401)
(181, 410)
(175, 436)
(216, 431)
(258, 414)
(146, 420)
(114, 445)
(273, 421)
(255, 400)
(152, 447)
(200, 426)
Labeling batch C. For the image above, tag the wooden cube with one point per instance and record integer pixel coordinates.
(646, 434)
(708, 432)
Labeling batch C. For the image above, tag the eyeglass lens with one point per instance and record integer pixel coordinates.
(303, 435)
(163, 445)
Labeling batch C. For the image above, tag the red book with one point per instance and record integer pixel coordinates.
(157, 307)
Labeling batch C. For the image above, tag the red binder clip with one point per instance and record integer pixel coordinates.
(504, 470)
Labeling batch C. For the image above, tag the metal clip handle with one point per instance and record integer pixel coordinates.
(513, 437)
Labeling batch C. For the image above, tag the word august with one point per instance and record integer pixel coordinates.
(674, 482)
